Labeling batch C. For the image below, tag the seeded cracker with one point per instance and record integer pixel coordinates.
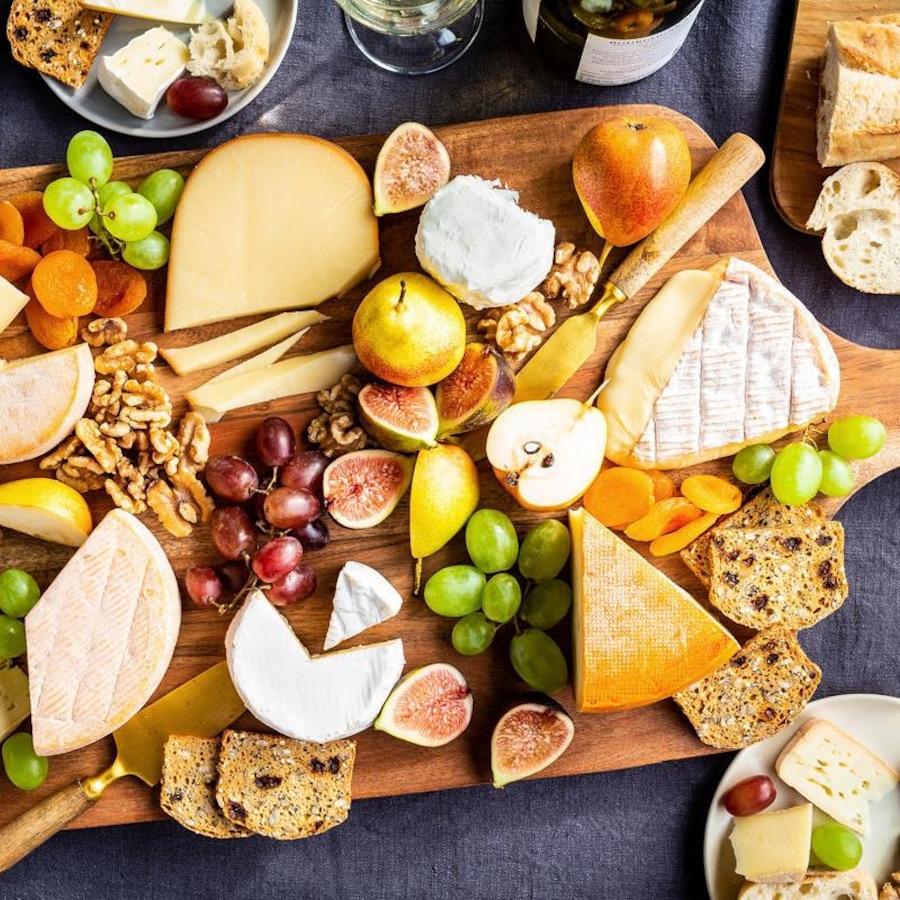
(759, 691)
(283, 788)
(57, 37)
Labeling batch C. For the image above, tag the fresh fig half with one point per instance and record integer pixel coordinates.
(528, 738)
(411, 166)
(362, 488)
(476, 391)
(430, 706)
(398, 418)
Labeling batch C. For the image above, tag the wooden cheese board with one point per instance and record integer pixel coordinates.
(796, 176)
(519, 151)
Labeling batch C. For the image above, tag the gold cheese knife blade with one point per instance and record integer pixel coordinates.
(202, 706)
(573, 343)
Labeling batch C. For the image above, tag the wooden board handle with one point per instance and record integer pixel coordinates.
(730, 167)
(32, 828)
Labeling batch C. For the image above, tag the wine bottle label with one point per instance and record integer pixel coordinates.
(609, 62)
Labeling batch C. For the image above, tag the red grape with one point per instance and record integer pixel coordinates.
(305, 470)
(233, 531)
(298, 584)
(231, 478)
(203, 585)
(277, 557)
(234, 575)
(750, 796)
(196, 97)
(275, 441)
(313, 535)
(287, 507)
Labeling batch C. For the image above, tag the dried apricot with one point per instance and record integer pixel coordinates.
(78, 241)
(12, 228)
(663, 486)
(664, 516)
(51, 332)
(619, 496)
(120, 288)
(712, 493)
(687, 534)
(38, 225)
(65, 284)
(17, 261)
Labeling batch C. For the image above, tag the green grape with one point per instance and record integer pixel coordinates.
(501, 598)
(472, 634)
(753, 464)
(69, 203)
(856, 437)
(455, 590)
(24, 768)
(12, 637)
(836, 846)
(163, 189)
(151, 252)
(105, 196)
(130, 217)
(837, 476)
(491, 540)
(544, 550)
(796, 474)
(538, 661)
(89, 158)
(547, 604)
(18, 592)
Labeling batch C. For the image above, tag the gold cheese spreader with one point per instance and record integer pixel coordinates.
(573, 343)
(202, 706)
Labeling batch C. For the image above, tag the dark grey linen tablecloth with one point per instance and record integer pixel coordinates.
(621, 835)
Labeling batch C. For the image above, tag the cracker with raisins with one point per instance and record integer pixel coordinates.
(791, 576)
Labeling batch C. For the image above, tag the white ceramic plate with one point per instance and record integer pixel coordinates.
(92, 102)
(873, 720)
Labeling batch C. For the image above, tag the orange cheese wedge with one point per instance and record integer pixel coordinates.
(637, 637)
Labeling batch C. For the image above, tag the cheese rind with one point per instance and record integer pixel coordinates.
(363, 598)
(184, 12)
(101, 637)
(12, 302)
(773, 846)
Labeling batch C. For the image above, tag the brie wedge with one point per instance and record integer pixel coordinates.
(321, 698)
(363, 597)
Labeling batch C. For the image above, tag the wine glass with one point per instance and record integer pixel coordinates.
(413, 37)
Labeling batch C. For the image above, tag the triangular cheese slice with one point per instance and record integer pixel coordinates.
(638, 637)
(363, 598)
(716, 361)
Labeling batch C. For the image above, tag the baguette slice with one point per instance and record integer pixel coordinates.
(835, 772)
(854, 884)
(861, 185)
(862, 248)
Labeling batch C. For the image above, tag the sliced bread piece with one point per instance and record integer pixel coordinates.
(835, 772)
(778, 576)
(188, 786)
(890, 890)
(284, 788)
(861, 185)
(862, 248)
(854, 884)
(759, 691)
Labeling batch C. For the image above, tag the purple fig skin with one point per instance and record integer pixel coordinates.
(481, 409)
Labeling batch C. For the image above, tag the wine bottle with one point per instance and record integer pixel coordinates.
(608, 42)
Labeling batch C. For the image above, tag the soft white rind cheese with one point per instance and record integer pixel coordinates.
(320, 698)
(138, 74)
(12, 302)
(184, 12)
(476, 240)
(363, 598)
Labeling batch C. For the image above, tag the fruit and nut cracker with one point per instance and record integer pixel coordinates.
(59, 38)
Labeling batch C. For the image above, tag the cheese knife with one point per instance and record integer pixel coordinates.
(573, 343)
(202, 706)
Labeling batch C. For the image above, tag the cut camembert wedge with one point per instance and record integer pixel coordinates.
(101, 637)
(637, 637)
(716, 360)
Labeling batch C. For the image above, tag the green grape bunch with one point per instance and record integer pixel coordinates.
(123, 220)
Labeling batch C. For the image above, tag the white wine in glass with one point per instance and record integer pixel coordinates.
(413, 36)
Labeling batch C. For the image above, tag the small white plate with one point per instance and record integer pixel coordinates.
(873, 720)
(92, 102)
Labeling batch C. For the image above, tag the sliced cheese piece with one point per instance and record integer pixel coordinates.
(240, 342)
(101, 637)
(637, 637)
(238, 250)
(261, 360)
(41, 399)
(363, 597)
(837, 773)
(297, 375)
(12, 302)
(311, 698)
(184, 12)
(736, 359)
(14, 704)
(773, 846)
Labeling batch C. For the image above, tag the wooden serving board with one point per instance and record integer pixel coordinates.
(533, 155)
(796, 176)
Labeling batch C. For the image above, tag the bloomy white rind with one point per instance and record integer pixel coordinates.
(363, 598)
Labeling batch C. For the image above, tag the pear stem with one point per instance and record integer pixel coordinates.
(418, 578)
(402, 292)
(590, 400)
(604, 254)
